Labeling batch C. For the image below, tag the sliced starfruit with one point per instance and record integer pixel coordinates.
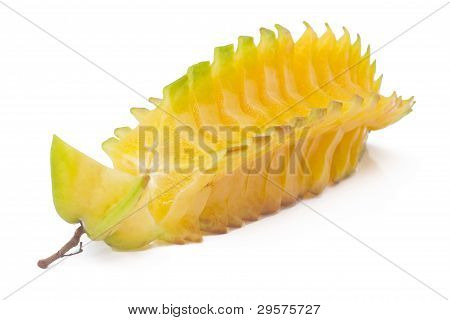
(311, 103)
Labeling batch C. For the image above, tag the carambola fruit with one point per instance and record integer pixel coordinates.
(303, 107)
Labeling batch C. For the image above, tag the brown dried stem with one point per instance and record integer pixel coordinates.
(73, 242)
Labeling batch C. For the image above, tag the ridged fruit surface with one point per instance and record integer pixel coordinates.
(310, 104)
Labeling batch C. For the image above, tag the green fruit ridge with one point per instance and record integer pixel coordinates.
(310, 105)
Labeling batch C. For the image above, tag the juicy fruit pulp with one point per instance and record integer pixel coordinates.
(313, 103)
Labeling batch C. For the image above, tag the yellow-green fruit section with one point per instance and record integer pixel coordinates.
(88, 192)
(313, 101)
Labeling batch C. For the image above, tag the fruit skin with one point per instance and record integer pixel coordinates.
(314, 102)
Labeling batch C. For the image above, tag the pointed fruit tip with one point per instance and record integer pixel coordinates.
(307, 25)
(279, 27)
(155, 101)
(108, 143)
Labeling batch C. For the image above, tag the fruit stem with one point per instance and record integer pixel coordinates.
(73, 242)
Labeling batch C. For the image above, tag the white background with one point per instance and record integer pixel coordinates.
(397, 202)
